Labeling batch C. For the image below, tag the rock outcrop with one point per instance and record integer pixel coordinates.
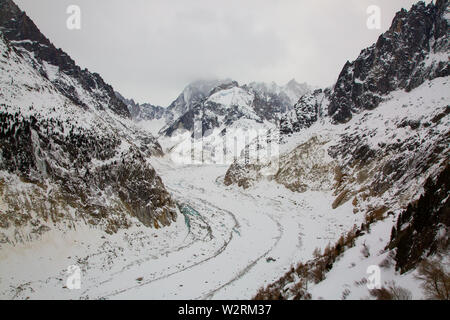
(413, 50)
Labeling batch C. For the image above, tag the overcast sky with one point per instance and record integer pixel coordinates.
(149, 50)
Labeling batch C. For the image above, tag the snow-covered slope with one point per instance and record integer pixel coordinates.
(258, 101)
(69, 152)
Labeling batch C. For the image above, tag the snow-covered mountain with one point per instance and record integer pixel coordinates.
(227, 113)
(142, 111)
(226, 99)
(377, 140)
(266, 101)
(146, 116)
(295, 90)
(324, 184)
(269, 101)
(194, 93)
(282, 97)
(70, 153)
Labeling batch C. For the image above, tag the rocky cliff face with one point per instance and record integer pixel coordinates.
(144, 111)
(69, 151)
(413, 50)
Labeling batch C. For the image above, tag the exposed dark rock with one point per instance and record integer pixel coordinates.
(307, 111)
(416, 235)
(145, 111)
(25, 142)
(404, 57)
(398, 60)
(267, 103)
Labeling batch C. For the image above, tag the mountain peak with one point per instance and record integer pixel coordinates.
(18, 27)
(409, 53)
(292, 82)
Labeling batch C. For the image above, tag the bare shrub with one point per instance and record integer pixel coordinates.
(386, 263)
(391, 292)
(300, 291)
(317, 253)
(381, 294)
(435, 280)
(361, 282)
(318, 273)
(345, 294)
(399, 293)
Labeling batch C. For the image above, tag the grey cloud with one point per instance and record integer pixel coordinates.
(149, 50)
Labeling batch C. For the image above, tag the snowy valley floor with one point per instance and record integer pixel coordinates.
(228, 244)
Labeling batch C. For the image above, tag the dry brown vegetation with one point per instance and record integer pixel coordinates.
(391, 292)
(312, 271)
(435, 280)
